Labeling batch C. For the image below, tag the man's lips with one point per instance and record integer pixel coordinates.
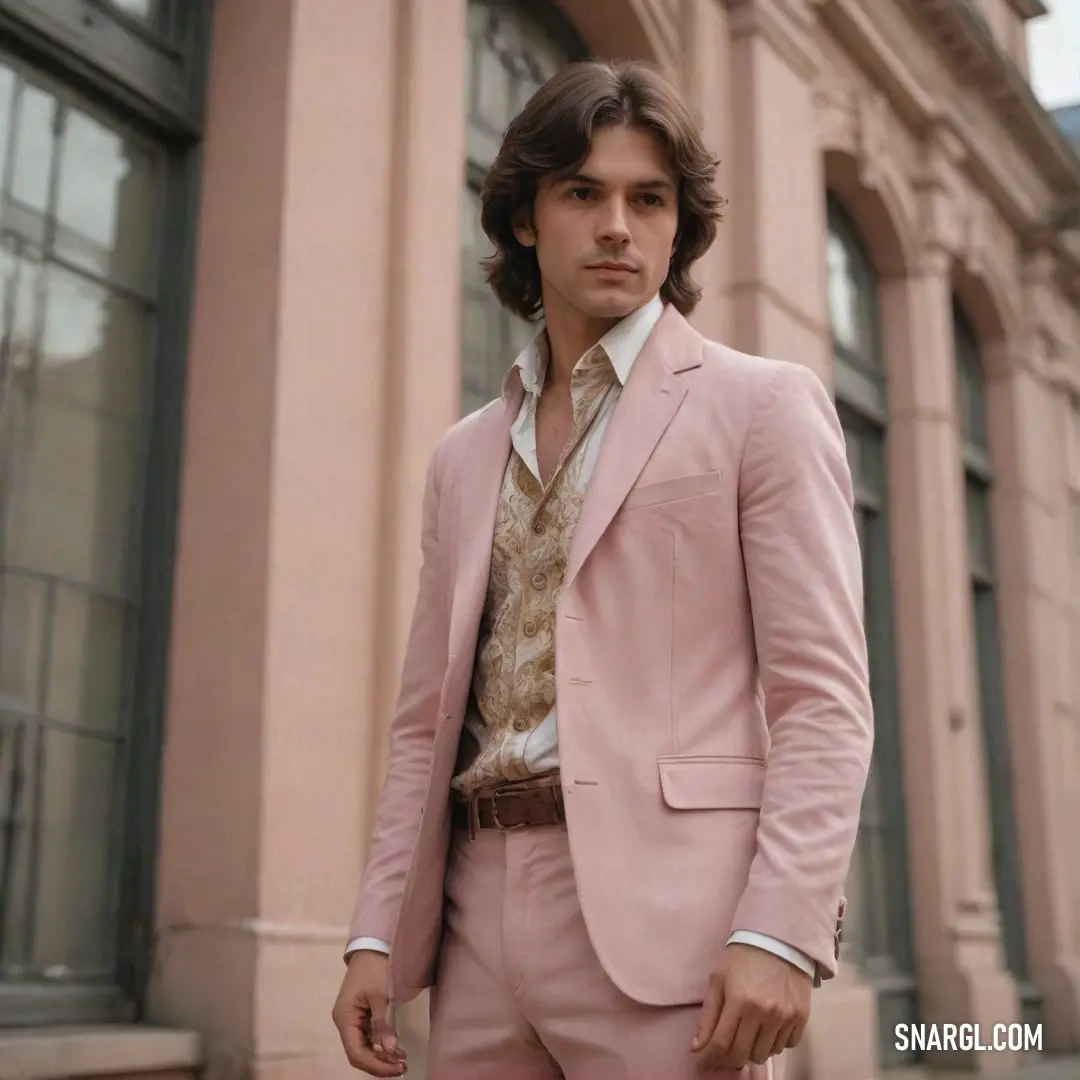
(622, 267)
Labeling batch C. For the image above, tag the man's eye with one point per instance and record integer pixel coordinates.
(580, 193)
(649, 199)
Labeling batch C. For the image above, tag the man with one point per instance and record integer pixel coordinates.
(634, 728)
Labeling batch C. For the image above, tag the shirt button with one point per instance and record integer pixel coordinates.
(538, 529)
(538, 581)
(520, 724)
(529, 629)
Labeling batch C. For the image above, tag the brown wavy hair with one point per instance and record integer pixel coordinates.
(552, 135)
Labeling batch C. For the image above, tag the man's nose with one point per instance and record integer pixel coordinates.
(614, 225)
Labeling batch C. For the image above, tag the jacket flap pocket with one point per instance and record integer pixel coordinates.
(712, 783)
(663, 491)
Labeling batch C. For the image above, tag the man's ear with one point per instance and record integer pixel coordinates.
(524, 229)
(524, 232)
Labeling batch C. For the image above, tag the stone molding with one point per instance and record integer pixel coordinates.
(60, 1053)
(977, 61)
(945, 204)
(938, 66)
(787, 25)
(660, 21)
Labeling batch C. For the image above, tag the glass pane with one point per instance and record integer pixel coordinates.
(86, 660)
(36, 120)
(970, 380)
(977, 503)
(495, 90)
(875, 922)
(18, 749)
(78, 218)
(7, 102)
(140, 9)
(854, 448)
(852, 295)
(106, 190)
(74, 448)
(24, 638)
(844, 308)
(510, 55)
(73, 784)
(491, 336)
(93, 347)
(150, 12)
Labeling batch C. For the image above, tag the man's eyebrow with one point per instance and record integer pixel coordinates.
(657, 184)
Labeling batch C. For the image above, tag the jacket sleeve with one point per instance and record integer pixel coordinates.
(804, 574)
(412, 737)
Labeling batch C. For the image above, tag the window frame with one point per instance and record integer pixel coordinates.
(113, 56)
(862, 405)
(544, 17)
(168, 110)
(978, 485)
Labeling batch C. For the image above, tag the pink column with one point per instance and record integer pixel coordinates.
(1034, 536)
(956, 929)
(297, 369)
(705, 47)
(777, 212)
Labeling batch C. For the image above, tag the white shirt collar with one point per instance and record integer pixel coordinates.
(622, 343)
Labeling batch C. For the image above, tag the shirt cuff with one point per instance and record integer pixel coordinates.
(779, 948)
(371, 944)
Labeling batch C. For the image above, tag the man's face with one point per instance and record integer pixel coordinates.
(604, 236)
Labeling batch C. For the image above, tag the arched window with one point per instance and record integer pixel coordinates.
(514, 47)
(879, 921)
(978, 483)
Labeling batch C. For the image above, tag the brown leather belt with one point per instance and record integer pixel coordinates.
(512, 806)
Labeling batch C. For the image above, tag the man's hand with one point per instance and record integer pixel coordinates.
(362, 1016)
(756, 1006)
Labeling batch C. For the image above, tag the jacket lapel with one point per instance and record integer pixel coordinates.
(649, 401)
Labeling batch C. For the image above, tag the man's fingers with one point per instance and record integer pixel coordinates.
(783, 1038)
(352, 1035)
(359, 1051)
(797, 1031)
(746, 1035)
(726, 1027)
(384, 1032)
(710, 1013)
(762, 1047)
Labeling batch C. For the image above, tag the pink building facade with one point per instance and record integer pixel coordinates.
(242, 301)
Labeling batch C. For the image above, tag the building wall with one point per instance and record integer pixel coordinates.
(327, 358)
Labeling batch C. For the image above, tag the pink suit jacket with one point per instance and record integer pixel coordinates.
(715, 724)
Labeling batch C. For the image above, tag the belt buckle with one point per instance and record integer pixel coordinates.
(495, 814)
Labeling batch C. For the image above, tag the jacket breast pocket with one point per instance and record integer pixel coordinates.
(710, 782)
(666, 491)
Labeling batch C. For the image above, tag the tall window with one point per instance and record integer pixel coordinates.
(91, 337)
(80, 201)
(513, 48)
(878, 923)
(978, 481)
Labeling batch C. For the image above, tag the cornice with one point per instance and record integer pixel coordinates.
(880, 37)
(659, 18)
(786, 24)
(966, 38)
(1011, 147)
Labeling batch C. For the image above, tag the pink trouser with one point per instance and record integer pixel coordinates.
(520, 994)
